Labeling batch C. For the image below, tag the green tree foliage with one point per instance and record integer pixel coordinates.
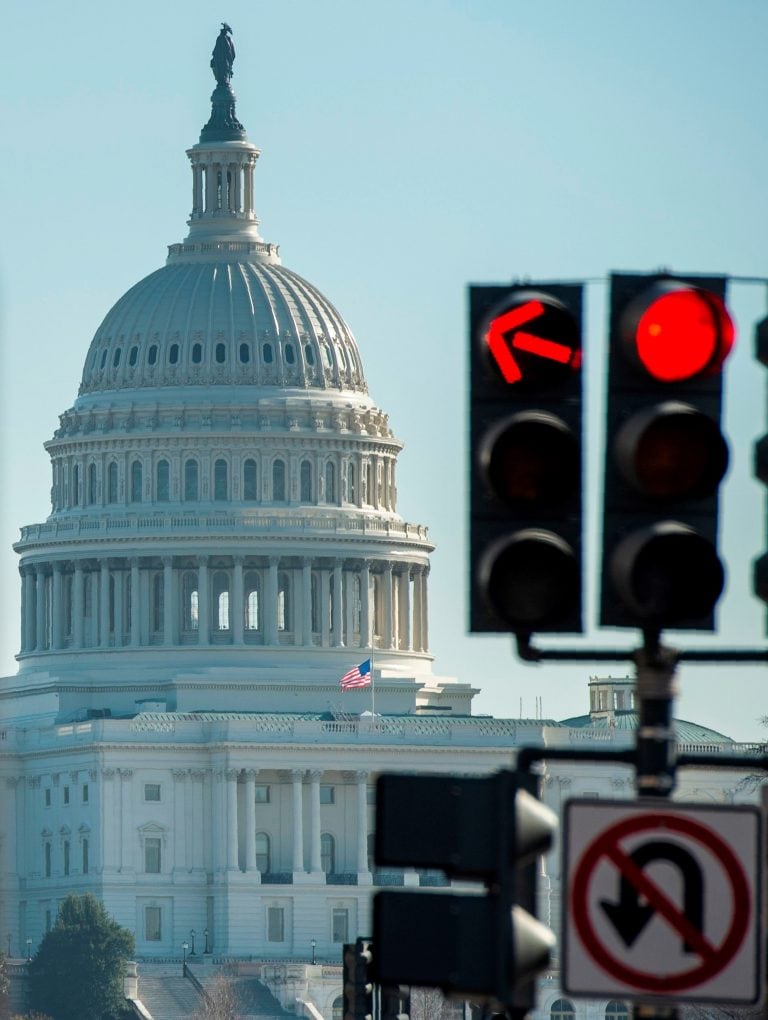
(78, 969)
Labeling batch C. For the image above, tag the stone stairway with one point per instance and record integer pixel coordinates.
(168, 998)
(254, 999)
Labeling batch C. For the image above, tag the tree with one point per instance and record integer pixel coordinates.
(78, 969)
(4, 984)
(220, 1000)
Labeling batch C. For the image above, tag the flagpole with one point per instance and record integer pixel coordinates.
(373, 688)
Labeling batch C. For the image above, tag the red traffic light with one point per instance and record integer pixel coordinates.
(672, 451)
(533, 339)
(676, 331)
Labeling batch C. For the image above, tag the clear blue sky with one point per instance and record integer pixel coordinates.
(408, 148)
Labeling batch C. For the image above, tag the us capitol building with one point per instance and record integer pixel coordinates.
(223, 545)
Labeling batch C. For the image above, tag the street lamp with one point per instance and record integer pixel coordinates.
(192, 936)
(313, 944)
(185, 947)
(206, 950)
(29, 950)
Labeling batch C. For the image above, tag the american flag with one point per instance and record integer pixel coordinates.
(360, 676)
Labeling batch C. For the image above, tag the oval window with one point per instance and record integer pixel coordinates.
(290, 355)
(103, 359)
(245, 353)
(221, 354)
(173, 354)
(152, 356)
(197, 354)
(116, 358)
(267, 352)
(133, 356)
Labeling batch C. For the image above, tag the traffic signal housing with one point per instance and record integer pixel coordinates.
(525, 458)
(357, 980)
(487, 947)
(760, 567)
(666, 455)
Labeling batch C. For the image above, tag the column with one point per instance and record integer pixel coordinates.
(197, 189)
(270, 603)
(40, 609)
(250, 819)
(135, 604)
(365, 608)
(315, 865)
(361, 778)
(104, 605)
(386, 598)
(119, 577)
(233, 863)
(57, 614)
(424, 611)
(348, 608)
(248, 189)
(203, 603)
(28, 611)
(237, 175)
(338, 608)
(405, 609)
(238, 603)
(78, 608)
(169, 602)
(298, 822)
(306, 596)
(210, 187)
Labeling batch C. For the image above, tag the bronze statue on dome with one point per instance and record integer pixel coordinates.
(223, 55)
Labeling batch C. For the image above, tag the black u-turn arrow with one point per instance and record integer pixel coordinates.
(629, 916)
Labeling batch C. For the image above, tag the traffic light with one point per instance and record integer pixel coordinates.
(761, 462)
(395, 1002)
(487, 829)
(525, 458)
(665, 453)
(358, 983)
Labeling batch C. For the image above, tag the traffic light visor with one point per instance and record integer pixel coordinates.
(677, 332)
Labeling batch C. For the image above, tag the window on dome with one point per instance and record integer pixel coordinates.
(315, 603)
(290, 355)
(157, 602)
(162, 493)
(136, 481)
(76, 485)
(116, 357)
(309, 354)
(305, 479)
(197, 354)
(103, 358)
(133, 357)
(173, 355)
(351, 483)
(221, 354)
(369, 483)
(327, 357)
(91, 483)
(112, 483)
(250, 490)
(283, 602)
(251, 601)
(266, 353)
(152, 356)
(220, 601)
(220, 479)
(191, 479)
(189, 602)
(263, 852)
(327, 853)
(330, 483)
(356, 604)
(278, 481)
(245, 353)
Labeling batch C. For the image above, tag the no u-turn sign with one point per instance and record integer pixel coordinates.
(662, 900)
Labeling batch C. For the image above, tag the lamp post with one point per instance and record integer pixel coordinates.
(192, 937)
(314, 945)
(185, 947)
(29, 950)
(206, 950)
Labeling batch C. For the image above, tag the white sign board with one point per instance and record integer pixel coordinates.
(662, 900)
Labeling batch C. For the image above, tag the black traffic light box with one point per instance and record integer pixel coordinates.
(487, 947)
(357, 980)
(525, 447)
(665, 454)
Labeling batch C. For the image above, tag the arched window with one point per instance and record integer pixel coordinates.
(163, 487)
(290, 354)
(116, 357)
(91, 483)
(189, 601)
(133, 357)
(616, 1011)
(357, 604)
(327, 853)
(152, 355)
(370, 495)
(562, 1009)
(220, 601)
(305, 479)
(378, 628)
(251, 600)
(191, 485)
(250, 489)
(283, 602)
(76, 485)
(136, 481)
(263, 853)
(351, 483)
(337, 1009)
(245, 353)
(220, 479)
(173, 354)
(309, 354)
(266, 353)
(330, 483)
(197, 354)
(315, 594)
(112, 483)
(157, 602)
(221, 354)
(278, 481)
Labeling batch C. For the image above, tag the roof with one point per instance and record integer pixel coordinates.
(686, 732)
